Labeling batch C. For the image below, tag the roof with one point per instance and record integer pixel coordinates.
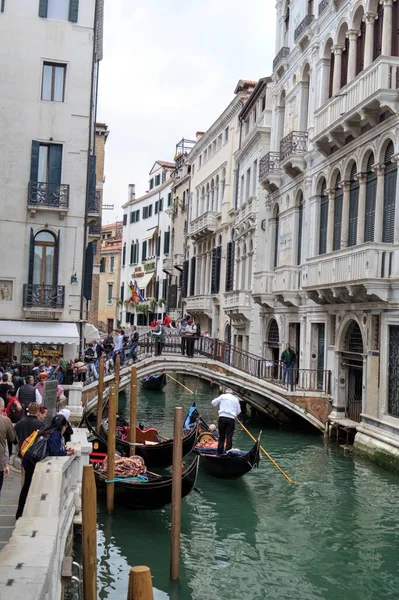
(166, 164)
(254, 95)
(244, 84)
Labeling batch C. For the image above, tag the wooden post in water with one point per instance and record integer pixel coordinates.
(133, 410)
(140, 584)
(112, 408)
(89, 533)
(176, 494)
(100, 393)
(117, 371)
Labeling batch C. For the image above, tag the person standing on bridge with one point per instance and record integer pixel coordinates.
(229, 408)
(288, 358)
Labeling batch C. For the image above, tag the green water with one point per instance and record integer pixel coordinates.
(335, 535)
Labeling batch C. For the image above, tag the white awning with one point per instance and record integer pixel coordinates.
(91, 333)
(142, 282)
(150, 233)
(39, 332)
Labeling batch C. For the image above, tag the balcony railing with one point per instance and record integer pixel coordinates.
(322, 6)
(284, 52)
(48, 195)
(95, 228)
(302, 26)
(295, 142)
(270, 163)
(43, 296)
(198, 303)
(204, 224)
(167, 264)
(94, 202)
(178, 261)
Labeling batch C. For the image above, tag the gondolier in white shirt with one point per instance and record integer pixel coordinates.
(229, 408)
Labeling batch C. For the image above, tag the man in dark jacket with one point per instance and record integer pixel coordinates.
(28, 393)
(28, 424)
(17, 381)
(4, 387)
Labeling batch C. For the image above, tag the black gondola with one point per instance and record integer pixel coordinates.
(151, 494)
(232, 465)
(154, 383)
(158, 454)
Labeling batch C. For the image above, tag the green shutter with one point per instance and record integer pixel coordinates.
(184, 279)
(160, 207)
(192, 276)
(131, 254)
(166, 242)
(323, 224)
(2, 5)
(300, 227)
(371, 194)
(122, 292)
(229, 267)
(276, 241)
(34, 161)
(353, 212)
(124, 255)
(337, 220)
(214, 289)
(389, 204)
(144, 251)
(159, 245)
(55, 163)
(73, 10)
(125, 219)
(43, 8)
(92, 173)
(31, 256)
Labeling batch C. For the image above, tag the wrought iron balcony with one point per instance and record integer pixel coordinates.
(43, 296)
(304, 24)
(94, 202)
(284, 52)
(48, 195)
(270, 163)
(95, 228)
(295, 142)
(322, 6)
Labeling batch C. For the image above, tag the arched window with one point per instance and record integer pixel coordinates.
(371, 194)
(361, 40)
(276, 235)
(300, 226)
(345, 60)
(45, 258)
(377, 50)
(353, 207)
(389, 195)
(337, 214)
(331, 74)
(323, 219)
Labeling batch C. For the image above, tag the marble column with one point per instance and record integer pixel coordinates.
(324, 70)
(346, 186)
(379, 202)
(361, 214)
(353, 35)
(337, 69)
(330, 223)
(387, 29)
(369, 41)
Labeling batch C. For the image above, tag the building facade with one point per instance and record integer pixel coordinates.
(109, 295)
(146, 243)
(51, 55)
(329, 284)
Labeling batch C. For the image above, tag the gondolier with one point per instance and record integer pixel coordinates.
(229, 408)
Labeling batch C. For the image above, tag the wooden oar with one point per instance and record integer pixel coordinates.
(186, 388)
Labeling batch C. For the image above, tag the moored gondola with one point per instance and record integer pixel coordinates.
(154, 493)
(232, 464)
(155, 383)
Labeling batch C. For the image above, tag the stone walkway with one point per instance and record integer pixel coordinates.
(8, 505)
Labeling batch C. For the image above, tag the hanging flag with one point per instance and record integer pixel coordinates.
(139, 293)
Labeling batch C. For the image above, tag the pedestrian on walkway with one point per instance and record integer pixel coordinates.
(43, 377)
(16, 380)
(28, 424)
(182, 333)
(191, 332)
(14, 410)
(5, 385)
(229, 408)
(288, 358)
(7, 435)
(90, 361)
(118, 348)
(28, 393)
(159, 336)
(134, 342)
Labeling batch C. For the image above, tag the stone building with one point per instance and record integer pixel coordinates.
(329, 285)
(50, 58)
(109, 295)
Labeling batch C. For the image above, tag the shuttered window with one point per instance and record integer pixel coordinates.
(300, 225)
(157, 289)
(122, 292)
(360, 48)
(59, 9)
(337, 219)
(132, 253)
(323, 220)
(73, 10)
(389, 196)
(229, 284)
(371, 194)
(184, 283)
(331, 81)
(166, 242)
(164, 289)
(158, 248)
(353, 208)
(192, 275)
(124, 255)
(43, 8)
(144, 251)
(216, 267)
(276, 240)
(345, 58)
(2, 5)
(377, 50)
(125, 219)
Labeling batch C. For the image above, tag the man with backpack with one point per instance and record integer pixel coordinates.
(134, 342)
(26, 426)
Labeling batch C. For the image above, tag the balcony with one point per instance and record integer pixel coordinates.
(200, 304)
(263, 288)
(43, 297)
(358, 274)
(292, 150)
(358, 106)
(167, 265)
(94, 204)
(178, 261)
(203, 225)
(284, 52)
(95, 229)
(287, 285)
(48, 197)
(246, 212)
(238, 306)
(323, 6)
(301, 31)
(270, 172)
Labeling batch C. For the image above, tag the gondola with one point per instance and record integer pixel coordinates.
(154, 453)
(151, 494)
(232, 464)
(154, 383)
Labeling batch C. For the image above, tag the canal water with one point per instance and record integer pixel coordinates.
(333, 534)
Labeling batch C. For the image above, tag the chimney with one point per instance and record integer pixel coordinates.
(199, 135)
(131, 192)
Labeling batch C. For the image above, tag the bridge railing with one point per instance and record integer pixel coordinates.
(307, 380)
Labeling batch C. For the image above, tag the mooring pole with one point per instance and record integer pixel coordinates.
(133, 410)
(117, 371)
(100, 393)
(89, 533)
(176, 494)
(140, 584)
(112, 408)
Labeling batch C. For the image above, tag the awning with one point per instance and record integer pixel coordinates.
(91, 333)
(39, 332)
(150, 233)
(142, 282)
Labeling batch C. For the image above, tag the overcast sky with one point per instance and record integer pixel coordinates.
(169, 69)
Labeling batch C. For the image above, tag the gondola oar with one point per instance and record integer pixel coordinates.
(186, 388)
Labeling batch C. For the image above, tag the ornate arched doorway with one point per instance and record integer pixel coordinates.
(352, 357)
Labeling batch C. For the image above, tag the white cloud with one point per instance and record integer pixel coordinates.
(169, 69)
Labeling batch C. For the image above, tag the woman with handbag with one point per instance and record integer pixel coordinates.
(50, 442)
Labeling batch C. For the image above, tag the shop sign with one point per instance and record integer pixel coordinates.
(138, 272)
(51, 352)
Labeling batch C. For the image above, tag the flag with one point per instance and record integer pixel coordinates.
(139, 293)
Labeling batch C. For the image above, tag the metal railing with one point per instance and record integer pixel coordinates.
(43, 296)
(95, 227)
(302, 26)
(308, 380)
(270, 163)
(49, 195)
(322, 6)
(94, 202)
(295, 142)
(284, 52)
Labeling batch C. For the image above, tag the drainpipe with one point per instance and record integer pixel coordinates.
(91, 144)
